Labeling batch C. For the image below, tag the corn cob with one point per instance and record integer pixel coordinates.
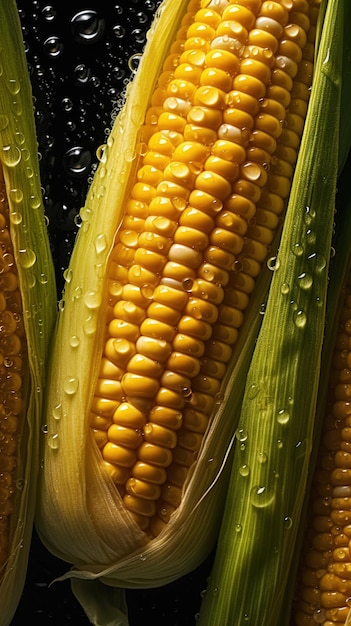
(27, 311)
(324, 587)
(276, 427)
(204, 153)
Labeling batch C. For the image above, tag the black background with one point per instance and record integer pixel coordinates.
(80, 56)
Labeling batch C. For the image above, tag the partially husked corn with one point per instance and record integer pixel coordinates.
(27, 311)
(221, 140)
(324, 587)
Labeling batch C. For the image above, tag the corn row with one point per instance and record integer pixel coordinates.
(324, 590)
(219, 146)
(13, 369)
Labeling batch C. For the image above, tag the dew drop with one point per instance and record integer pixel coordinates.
(76, 161)
(87, 27)
(10, 155)
(261, 457)
(287, 522)
(16, 195)
(244, 470)
(261, 496)
(92, 299)
(70, 385)
(89, 325)
(27, 257)
(238, 528)
(300, 318)
(283, 416)
(74, 341)
(297, 249)
(273, 263)
(53, 46)
(67, 275)
(57, 411)
(284, 289)
(16, 217)
(44, 429)
(4, 121)
(53, 441)
(305, 281)
(100, 243)
(319, 616)
(253, 391)
(241, 435)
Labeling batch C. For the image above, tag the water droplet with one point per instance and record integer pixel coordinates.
(4, 121)
(89, 325)
(67, 275)
(44, 429)
(142, 557)
(16, 217)
(53, 46)
(77, 161)
(305, 281)
(319, 616)
(57, 411)
(100, 243)
(241, 435)
(244, 470)
(288, 522)
(300, 318)
(16, 195)
(53, 441)
(87, 27)
(238, 528)
(10, 155)
(273, 263)
(27, 257)
(283, 416)
(70, 385)
(297, 249)
(262, 457)
(74, 341)
(92, 299)
(285, 288)
(253, 391)
(261, 496)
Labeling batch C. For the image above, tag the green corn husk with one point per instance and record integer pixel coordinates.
(277, 429)
(19, 161)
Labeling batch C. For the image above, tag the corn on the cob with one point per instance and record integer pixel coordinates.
(324, 585)
(27, 311)
(204, 173)
(276, 428)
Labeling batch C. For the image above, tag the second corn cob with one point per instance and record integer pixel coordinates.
(27, 311)
(213, 123)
